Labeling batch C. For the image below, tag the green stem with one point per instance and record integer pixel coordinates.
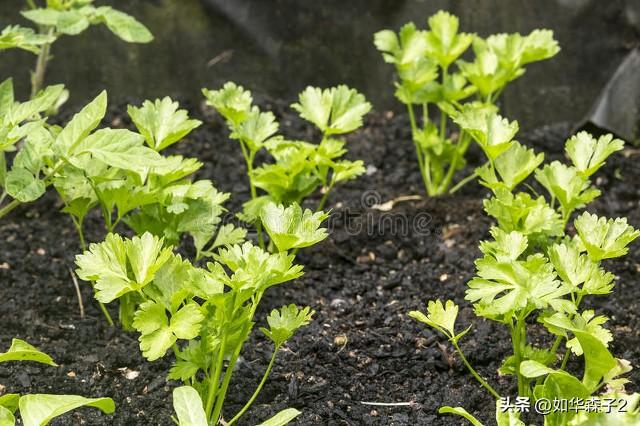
(463, 182)
(37, 79)
(518, 339)
(214, 378)
(473, 372)
(222, 393)
(463, 145)
(323, 200)
(9, 207)
(424, 168)
(258, 389)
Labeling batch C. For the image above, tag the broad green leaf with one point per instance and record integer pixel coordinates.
(6, 96)
(543, 357)
(459, 411)
(119, 148)
(124, 26)
(439, 316)
(506, 246)
(588, 154)
(291, 228)
(47, 17)
(283, 323)
(6, 417)
(15, 36)
(533, 369)
(188, 407)
(72, 22)
(44, 100)
(233, 102)
(336, 110)
(598, 360)
(346, 170)
(10, 402)
(282, 418)
(604, 239)
(40, 409)
(161, 122)
(83, 123)
(444, 43)
(539, 45)
(23, 351)
(508, 416)
(23, 185)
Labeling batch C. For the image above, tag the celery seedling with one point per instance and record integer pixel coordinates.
(204, 316)
(533, 269)
(300, 168)
(424, 61)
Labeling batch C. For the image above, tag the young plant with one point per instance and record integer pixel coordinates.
(40, 409)
(66, 17)
(299, 168)
(424, 62)
(533, 269)
(204, 315)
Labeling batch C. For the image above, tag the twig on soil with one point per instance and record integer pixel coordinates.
(387, 206)
(389, 404)
(78, 294)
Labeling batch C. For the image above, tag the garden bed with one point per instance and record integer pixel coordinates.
(361, 346)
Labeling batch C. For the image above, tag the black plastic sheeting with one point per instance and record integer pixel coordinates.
(277, 47)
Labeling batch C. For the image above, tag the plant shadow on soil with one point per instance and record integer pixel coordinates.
(361, 281)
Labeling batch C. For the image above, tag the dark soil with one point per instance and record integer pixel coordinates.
(361, 347)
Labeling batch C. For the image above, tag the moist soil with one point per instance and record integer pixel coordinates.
(362, 281)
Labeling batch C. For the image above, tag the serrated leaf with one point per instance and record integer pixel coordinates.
(602, 238)
(516, 164)
(291, 228)
(493, 133)
(283, 323)
(567, 186)
(256, 129)
(588, 154)
(23, 351)
(161, 122)
(336, 110)
(444, 43)
(40, 409)
(439, 316)
(233, 102)
(82, 123)
(15, 36)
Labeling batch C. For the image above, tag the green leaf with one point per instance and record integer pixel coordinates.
(83, 123)
(493, 133)
(72, 22)
(256, 129)
(598, 360)
(336, 110)
(516, 164)
(188, 407)
(539, 45)
(120, 266)
(158, 334)
(161, 122)
(459, 411)
(282, 418)
(602, 238)
(40, 409)
(44, 100)
(6, 96)
(9, 401)
(118, 148)
(439, 316)
(540, 356)
(291, 228)
(47, 17)
(6, 417)
(22, 351)
(256, 268)
(283, 323)
(444, 43)
(587, 154)
(124, 26)
(228, 235)
(346, 170)
(567, 186)
(233, 102)
(23, 185)
(15, 36)
(508, 417)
